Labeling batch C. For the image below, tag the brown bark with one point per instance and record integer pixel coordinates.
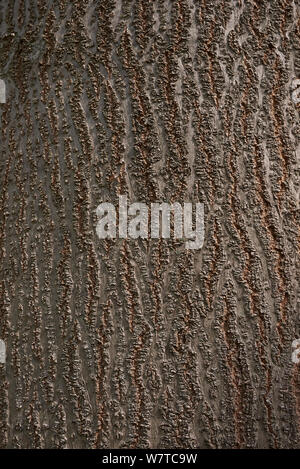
(143, 343)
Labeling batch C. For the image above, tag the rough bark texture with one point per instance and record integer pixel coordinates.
(135, 344)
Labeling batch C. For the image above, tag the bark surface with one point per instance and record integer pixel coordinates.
(143, 343)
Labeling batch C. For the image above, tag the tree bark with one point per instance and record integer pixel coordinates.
(123, 343)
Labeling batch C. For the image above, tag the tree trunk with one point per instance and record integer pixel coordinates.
(143, 343)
